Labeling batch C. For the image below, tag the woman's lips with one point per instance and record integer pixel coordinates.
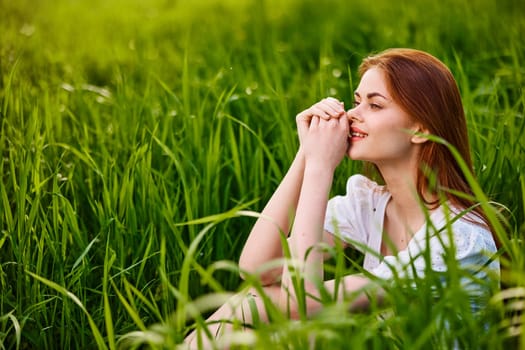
(357, 134)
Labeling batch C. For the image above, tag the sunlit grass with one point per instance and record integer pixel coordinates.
(139, 140)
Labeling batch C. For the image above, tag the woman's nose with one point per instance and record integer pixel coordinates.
(353, 116)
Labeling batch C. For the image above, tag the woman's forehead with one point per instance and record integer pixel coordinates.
(373, 81)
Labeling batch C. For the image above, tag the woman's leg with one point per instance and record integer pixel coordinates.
(238, 308)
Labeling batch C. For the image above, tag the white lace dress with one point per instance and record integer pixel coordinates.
(357, 217)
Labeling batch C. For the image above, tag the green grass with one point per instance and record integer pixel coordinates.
(139, 139)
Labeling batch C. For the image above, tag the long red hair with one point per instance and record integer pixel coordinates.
(426, 89)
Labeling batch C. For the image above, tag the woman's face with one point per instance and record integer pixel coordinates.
(379, 130)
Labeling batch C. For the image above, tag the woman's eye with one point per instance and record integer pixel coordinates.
(375, 106)
(355, 103)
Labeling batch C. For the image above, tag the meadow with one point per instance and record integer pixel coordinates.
(139, 140)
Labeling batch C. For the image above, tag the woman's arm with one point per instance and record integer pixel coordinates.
(325, 145)
(264, 242)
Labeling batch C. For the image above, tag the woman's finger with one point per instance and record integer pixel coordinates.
(335, 104)
(325, 109)
(320, 112)
(332, 107)
(314, 122)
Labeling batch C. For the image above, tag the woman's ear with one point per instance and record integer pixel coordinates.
(419, 134)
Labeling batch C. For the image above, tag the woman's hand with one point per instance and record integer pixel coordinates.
(323, 134)
(326, 142)
(325, 109)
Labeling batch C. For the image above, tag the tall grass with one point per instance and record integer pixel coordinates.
(139, 140)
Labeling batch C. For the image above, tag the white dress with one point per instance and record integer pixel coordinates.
(357, 217)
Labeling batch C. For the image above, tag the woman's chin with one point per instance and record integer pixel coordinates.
(352, 155)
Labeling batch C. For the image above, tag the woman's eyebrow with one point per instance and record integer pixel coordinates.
(372, 94)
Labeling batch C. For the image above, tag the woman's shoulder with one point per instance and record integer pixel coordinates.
(360, 182)
(469, 233)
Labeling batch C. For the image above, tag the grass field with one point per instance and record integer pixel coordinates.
(140, 138)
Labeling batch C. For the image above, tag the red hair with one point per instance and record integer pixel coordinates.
(426, 89)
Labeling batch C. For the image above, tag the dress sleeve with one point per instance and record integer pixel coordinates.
(349, 216)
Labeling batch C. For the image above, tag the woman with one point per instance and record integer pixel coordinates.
(403, 95)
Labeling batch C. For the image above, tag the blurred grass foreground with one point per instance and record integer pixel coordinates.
(135, 133)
